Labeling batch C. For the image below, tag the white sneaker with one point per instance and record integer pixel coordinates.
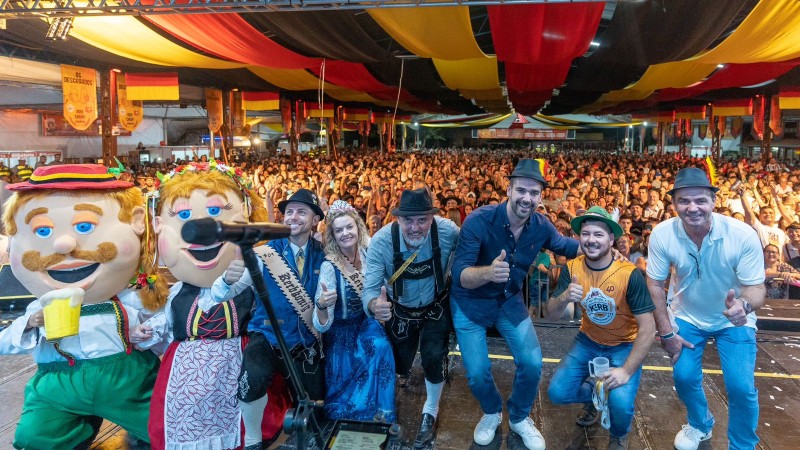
(531, 437)
(690, 437)
(486, 428)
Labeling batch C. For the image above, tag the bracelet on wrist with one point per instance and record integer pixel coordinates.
(320, 307)
(669, 335)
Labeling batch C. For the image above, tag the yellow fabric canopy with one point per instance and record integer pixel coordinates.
(126, 36)
(471, 75)
(444, 34)
(771, 32)
(435, 32)
(485, 122)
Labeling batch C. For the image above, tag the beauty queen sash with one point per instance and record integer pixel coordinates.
(352, 276)
(289, 284)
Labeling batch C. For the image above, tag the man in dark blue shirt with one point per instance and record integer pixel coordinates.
(497, 245)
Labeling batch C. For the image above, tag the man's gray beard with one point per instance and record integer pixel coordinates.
(415, 242)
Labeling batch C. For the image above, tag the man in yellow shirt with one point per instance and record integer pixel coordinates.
(616, 323)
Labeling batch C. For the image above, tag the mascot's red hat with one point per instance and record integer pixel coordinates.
(71, 176)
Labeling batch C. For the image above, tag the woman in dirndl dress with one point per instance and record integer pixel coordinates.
(359, 365)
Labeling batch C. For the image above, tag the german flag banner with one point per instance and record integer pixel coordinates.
(130, 112)
(789, 98)
(314, 109)
(214, 109)
(743, 107)
(691, 112)
(79, 85)
(261, 101)
(152, 86)
(356, 114)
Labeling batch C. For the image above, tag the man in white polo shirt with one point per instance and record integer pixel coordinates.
(718, 282)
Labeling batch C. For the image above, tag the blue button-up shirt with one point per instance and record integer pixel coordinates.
(483, 235)
(380, 265)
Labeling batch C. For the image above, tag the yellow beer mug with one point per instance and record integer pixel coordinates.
(62, 312)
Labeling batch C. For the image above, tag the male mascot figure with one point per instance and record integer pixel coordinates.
(193, 408)
(76, 229)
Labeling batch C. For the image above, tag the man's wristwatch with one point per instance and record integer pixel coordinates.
(748, 308)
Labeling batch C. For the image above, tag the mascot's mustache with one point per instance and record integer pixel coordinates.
(33, 260)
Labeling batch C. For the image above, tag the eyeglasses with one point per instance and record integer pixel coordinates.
(696, 259)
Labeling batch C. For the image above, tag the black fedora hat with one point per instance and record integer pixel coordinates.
(415, 202)
(691, 177)
(528, 168)
(306, 197)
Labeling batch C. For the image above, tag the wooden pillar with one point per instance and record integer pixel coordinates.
(108, 110)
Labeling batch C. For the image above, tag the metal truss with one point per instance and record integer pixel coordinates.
(10, 9)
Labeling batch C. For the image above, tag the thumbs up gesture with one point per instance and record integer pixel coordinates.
(235, 269)
(575, 291)
(734, 310)
(327, 298)
(500, 270)
(381, 307)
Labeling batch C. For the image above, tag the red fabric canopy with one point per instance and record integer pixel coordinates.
(537, 42)
(241, 42)
(357, 77)
(732, 75)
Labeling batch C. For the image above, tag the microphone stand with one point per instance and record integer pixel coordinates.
(296, 421)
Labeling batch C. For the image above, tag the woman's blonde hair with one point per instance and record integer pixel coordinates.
(332, 250)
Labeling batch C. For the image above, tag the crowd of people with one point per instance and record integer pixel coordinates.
(389, 252)
(632, 187)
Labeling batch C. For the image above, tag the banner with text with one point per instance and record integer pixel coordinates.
(79, 85)
(214, 109)
(521, 133)
(131, 112)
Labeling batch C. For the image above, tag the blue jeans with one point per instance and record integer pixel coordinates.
(737, 354)
(524, 347)
(568, 382)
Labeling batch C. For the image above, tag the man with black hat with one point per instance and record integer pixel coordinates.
(616, 323)
(405, 287)
(498, 244)
(717, 269)
(289, 265)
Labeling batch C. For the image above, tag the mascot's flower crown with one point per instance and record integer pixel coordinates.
(235, 174)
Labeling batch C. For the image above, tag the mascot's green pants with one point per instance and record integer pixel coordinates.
(60, 400)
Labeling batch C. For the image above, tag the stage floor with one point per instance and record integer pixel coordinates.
(659, 414)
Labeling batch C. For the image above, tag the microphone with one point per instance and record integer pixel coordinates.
(209, 231)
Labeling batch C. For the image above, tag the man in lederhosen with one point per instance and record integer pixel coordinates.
(405, 288)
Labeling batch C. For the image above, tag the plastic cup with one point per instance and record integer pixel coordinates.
(598, 366)
(61, 319)
(62, 312)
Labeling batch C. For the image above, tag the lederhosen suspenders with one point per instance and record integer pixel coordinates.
(417, 270)
(406, 319)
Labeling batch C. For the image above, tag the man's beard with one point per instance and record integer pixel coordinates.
(415, 242)
(598, 257)
(515, 209)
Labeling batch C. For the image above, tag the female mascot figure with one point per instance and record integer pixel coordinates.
(78, 238)
(194, 403)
